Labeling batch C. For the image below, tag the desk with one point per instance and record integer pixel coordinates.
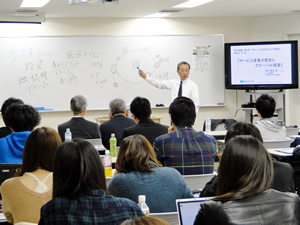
(218, 134)
(274, 152)
(285, 157)
(102, 119)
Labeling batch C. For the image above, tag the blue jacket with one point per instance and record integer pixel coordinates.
(11, 147)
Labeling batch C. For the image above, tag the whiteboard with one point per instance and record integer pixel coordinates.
(47, 72)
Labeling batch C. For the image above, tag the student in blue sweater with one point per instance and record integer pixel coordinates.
(138, 172)
(21, 119)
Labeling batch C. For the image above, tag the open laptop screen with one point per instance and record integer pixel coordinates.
(188, 209)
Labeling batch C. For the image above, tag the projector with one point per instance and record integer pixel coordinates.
(92, 2)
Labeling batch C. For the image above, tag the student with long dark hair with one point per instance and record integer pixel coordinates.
(283, 179)
(243, 191)
(79, 190)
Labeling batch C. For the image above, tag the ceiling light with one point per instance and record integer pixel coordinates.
(192, 3)
(33, 3)
(22, 18)
(158, 14)
(92, 2)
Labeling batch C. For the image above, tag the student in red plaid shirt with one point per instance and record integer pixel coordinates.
(183, 148)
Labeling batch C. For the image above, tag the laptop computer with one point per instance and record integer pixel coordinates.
(188, 209)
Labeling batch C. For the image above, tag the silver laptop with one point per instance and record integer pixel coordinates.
(188, 209)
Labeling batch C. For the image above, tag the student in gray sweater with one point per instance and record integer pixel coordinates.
(138, 172)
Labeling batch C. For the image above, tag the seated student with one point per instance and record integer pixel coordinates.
(79, 127)
(243, 192)
(283, 172)
(21, 119)
(270, 128)
(23, 197)
(139, 173)
(141, 112)
(183, 148)
(4, 131)
(119, 120)
(79, 190)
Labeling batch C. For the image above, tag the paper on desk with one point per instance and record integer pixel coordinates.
(286, 150)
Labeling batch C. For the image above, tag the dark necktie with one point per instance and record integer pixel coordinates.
(180, 89)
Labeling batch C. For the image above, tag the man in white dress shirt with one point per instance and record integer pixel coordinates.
(188, 88)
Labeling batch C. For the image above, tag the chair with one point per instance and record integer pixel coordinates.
(220, 124)
(8, 170)
(277, 144)
(170, 217)
(197, 182)
(95, 142)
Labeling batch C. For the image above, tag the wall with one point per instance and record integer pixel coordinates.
(234, 30)
(281, 28)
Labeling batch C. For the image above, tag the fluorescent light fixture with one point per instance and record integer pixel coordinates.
(22, 18)
(192, 3)
(33, 3)
(92, 2)
(158, 14)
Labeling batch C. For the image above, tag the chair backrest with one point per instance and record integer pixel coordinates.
(291, 131)
(95, 142)
(220, 124)
(170, 217)
(277, 144)
(8, 170)
(197, 182)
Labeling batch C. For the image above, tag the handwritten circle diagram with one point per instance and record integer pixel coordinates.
(128, 64)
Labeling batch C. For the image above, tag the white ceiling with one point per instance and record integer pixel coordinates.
(140, 8)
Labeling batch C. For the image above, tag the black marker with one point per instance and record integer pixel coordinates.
(138, 68)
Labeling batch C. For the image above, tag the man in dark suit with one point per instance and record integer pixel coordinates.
(141, 112)
(80, 127)
(119, 120)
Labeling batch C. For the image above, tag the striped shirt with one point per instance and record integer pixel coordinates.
(188, 151)
(90, 207)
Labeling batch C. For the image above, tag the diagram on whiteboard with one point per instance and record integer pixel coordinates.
(127, 65)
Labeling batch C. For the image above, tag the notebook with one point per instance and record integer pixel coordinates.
(188, 209)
